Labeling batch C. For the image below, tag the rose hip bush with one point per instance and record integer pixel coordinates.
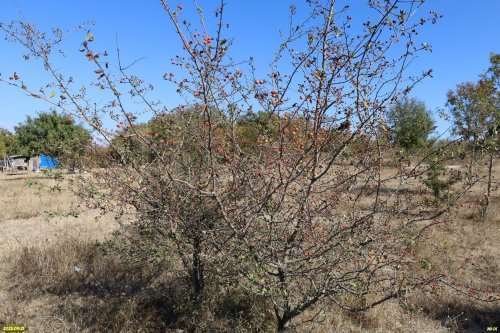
(270, 185)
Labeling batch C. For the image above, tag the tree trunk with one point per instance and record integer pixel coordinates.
(484, 210)
(197, 272)
(490, 174)
(471, 165)
(283, 324)
(198, 308)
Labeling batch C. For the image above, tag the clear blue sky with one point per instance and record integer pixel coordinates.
(461, 42)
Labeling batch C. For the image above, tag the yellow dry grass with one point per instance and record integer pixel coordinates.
(22, 197)
(42, 243)
(38, 221)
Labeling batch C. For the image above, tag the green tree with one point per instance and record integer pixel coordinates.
(8, 143)
(53, 134)
(411, 124)
(441, 188)
(475, 111)
(493, 75)
(252, 126)
(493, 72)
(3, 150)
(473, 107)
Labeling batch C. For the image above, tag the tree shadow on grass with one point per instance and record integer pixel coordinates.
(99, 292)
(469, 318)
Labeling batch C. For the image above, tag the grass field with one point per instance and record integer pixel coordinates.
(52, 279)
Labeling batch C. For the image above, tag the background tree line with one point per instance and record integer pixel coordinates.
(473, 109)
(50, 133)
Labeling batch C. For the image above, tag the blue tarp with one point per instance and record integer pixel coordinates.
(47, 162)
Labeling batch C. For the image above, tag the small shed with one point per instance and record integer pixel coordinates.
(19, 162)
(14, 163)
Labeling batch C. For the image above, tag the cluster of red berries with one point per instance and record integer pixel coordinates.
(166, 75)
(14, 77)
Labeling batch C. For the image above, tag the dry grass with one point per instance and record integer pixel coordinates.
(23, 197)
(467, 250)
(35, 223)
(81, 290)
(55, 278)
